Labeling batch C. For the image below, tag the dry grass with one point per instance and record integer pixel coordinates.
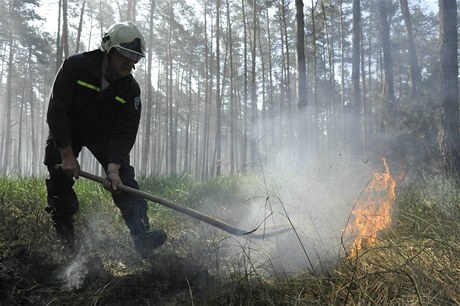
(415, 262)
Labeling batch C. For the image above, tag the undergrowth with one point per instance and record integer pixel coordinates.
(415, 262)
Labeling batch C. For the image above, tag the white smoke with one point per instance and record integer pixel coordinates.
(314, 199)
(86, 263)
(74, 274)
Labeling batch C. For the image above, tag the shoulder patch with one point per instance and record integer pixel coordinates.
(137, 103)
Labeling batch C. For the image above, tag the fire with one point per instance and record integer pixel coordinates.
(372, 212)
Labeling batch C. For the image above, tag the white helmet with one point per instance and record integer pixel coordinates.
(126, 38)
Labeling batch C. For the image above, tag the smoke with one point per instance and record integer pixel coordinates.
(94, 244)
(314, 197)
(74, 275)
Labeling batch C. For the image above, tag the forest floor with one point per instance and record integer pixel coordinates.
(104, 269)
(414, 262)
(83, 279)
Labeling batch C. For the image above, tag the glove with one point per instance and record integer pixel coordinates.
(112, 181)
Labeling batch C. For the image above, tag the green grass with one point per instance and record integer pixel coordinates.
(21, 222)
(415, 262)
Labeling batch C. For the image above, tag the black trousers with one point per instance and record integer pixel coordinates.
(62, 201)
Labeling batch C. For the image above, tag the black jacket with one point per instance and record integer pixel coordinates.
(80, 114)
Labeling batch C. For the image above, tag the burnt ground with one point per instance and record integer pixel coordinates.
(197, 265)
(28, 278)
(105, 269)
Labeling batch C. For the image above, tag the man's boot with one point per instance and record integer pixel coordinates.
(146, 243)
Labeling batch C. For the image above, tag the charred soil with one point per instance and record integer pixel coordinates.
(29, 278)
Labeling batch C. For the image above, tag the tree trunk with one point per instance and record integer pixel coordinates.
(263, 126)
(368, 122)
(414, 71)
(355, 119)
(301, 62)
(342, 76)
(245, 116)
(450, 137)
(254, 128)
(331, 119)
(188, 120)
(365, 105)
(148, 105)
(8, 106)
(80, 26)
(388, 91)
(285, 87)
(58, 39)
(22, 106)
(197, 132)
(131, 11)
(34, 131)
(172, 130)
(65, 29)
(208, 84)
(271, 104)
(218, 144)
(316, 126)
(157, 147)
(233, 118)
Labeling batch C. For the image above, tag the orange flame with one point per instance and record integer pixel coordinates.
(372, 214)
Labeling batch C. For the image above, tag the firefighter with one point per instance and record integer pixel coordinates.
(95, 103)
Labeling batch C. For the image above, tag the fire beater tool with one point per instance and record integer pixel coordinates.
(267, 232)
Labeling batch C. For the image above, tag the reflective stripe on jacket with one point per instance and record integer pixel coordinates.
(79, 112)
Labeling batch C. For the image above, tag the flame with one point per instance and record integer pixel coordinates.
(372, 213)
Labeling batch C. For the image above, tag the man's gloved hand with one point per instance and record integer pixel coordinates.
(112, 181)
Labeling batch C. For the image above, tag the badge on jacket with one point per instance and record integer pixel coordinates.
(137, 103)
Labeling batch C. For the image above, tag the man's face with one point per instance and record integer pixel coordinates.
(120, 66)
